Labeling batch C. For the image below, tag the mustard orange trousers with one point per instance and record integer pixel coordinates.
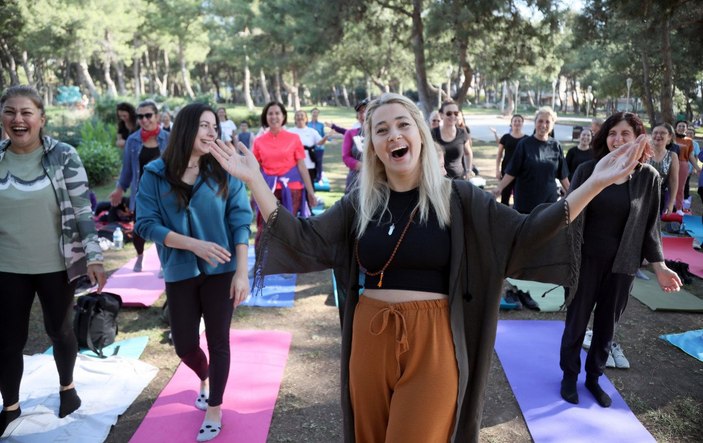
(403, 372)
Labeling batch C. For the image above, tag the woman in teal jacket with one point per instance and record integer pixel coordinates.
(199, 217)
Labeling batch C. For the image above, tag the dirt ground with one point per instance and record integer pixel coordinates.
(664, 386)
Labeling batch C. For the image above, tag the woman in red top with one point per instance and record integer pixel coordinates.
(282, 158)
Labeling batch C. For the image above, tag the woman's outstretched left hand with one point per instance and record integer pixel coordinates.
(236, 160)
(619, 163)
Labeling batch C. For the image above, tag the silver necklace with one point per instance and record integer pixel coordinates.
(392, 226)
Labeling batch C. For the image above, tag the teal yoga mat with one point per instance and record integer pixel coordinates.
(127, 348)
(693, 225)
(690, 342)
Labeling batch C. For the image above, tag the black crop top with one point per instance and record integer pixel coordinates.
(422, 260)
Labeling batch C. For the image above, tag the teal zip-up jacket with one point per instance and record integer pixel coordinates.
(79, 241)
(207, 217)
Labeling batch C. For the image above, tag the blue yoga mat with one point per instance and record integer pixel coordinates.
(529, 353)
(128, 348)
(690, 342)
(693, 225)
(278, 291)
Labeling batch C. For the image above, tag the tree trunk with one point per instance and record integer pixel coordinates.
(277, 86)
(293, 90)
(647, 99)
(85, 77)
(264, 89)
(119, 70)
(11, 65)
(111, 88)
(417, 41)
(137, 74)
(345, 96)
(334, 95)
(466, 70)
(667, 91)
(247, 85)
(164, 81)
(27, 69)
(184, 69)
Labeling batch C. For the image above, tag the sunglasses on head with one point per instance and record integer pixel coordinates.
(450, 113)
(147, 116)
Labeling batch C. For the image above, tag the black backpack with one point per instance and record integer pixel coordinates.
(95, 320)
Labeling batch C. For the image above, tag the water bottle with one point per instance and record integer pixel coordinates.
(118, 238)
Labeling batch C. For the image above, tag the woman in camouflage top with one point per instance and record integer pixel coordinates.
(47, 241)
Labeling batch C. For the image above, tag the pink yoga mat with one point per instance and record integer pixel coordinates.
(681, 249)
(529, 353)
(258, 359)
(138, 289)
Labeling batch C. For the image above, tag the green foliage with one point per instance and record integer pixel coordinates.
(101, 161)
(104, 109)
(94, 131)
(101, 158)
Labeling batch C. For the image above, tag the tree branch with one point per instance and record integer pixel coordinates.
(395, 8)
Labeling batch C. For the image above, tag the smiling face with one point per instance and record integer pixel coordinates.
(207, 133)
(148, 118)
(274, 118)
(450, 115)
(585, 138)
(660, 137)
(543, 126)
(516, 124)
(620, 134)
(301, 119)
(396, 141)
(23, 122)
(681, 127)
(315, 114)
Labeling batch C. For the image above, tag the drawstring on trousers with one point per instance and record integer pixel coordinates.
(401, 330)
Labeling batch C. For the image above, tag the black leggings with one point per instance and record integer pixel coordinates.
(16, 298)
(206, 295)
(606, 291)
(507, 192)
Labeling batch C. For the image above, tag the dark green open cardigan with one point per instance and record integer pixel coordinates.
(489, 242)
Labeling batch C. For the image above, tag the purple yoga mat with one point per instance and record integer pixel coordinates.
(138, 289)
(529, 353)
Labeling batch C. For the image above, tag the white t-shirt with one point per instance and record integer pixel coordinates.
(309, 137)
(227, 127)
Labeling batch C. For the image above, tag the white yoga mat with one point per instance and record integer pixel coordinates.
(106, 386)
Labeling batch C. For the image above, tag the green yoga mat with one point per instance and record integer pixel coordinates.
(649, 293)
(551, 302)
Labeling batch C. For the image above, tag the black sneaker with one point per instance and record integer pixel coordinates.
(527, 301)
(513, 298)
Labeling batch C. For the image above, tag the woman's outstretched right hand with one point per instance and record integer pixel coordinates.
(236, 160)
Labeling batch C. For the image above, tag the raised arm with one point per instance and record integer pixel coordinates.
(610, 169)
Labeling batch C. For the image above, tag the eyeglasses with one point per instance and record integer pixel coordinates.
(450, 113)
(147, 116)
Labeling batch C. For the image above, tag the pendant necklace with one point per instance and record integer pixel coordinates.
(392, 226)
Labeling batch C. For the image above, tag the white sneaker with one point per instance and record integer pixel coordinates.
(618, 357)
(610, 363)
(587, 339)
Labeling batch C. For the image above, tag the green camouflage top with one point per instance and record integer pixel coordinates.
(79, 241)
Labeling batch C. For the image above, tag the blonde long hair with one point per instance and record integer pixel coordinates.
(373, 189)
